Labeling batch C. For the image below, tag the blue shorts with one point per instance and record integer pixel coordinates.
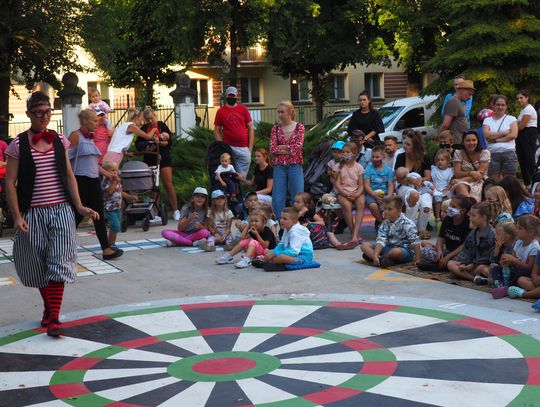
(114, 218)
(370, 200)
(407, 255)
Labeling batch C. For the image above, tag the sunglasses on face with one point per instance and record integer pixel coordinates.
(40, 113)
(445, 145)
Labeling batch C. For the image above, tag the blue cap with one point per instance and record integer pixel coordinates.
(338, 145)
(217, 193)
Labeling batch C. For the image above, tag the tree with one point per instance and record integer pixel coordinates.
(37, 42)
(201, 30)
(412, 30)
(126, 41)
(309, 39)
(494, 43)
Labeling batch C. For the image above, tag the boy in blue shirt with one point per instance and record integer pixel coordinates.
(378, 183)
(295, 246)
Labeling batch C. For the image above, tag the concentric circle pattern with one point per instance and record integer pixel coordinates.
(273, 353)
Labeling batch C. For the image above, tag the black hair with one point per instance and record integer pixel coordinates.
(515, 190)
(475, 133)
(37, 99)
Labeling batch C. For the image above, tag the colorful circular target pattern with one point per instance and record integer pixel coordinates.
(273, 353)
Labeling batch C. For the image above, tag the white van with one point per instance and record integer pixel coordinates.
(413, 112)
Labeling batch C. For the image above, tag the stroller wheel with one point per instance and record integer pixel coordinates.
(163, 213)
(146, 223)
(123, 225)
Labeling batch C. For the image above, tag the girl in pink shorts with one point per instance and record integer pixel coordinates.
(256, 240)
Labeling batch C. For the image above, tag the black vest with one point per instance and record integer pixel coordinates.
(27, 170)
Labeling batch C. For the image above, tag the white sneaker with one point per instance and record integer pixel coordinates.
(176, 215)
(226, 258)
(245, 262)
(156, 219)
(168, 243)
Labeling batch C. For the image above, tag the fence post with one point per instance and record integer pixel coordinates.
(71, 98)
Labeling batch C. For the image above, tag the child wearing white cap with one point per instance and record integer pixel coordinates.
(219, 221)
(192, 223)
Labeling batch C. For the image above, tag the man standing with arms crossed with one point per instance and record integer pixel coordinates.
(233, 126)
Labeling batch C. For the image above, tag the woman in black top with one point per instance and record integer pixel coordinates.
(263, 176)
(368, 120)
(165, 141)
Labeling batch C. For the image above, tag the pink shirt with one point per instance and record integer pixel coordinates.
(48, 187)
(352, 177)
(102, 140)
(295, 143)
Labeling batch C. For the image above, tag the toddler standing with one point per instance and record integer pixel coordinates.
(441, 174)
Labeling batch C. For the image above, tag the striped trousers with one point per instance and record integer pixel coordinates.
(48, 251)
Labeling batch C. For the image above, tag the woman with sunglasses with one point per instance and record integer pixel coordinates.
(415, 159)
(42, 192)
(470, 166)
(501, 131)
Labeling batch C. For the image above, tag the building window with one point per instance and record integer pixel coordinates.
(201, 86)
(249, 90)
(300, 90)
(337, 87)
(373, 82)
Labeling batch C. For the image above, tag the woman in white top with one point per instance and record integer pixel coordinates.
(123, 136)
(501, 131)
(527, 137)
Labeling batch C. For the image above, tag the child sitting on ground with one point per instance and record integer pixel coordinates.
(378, 183)
(192, 223)
(523, 257)
(112, 200)
(257, 239)
(251, 202)
(271, 222)
(295, 246)
(219, 221)
(397, 238)
(308, 217)
(227, 176)
(505, 238)
(425, 189)
(441, 174)
(474, 259)
(502, 208)
(454, 231)
(527, 287)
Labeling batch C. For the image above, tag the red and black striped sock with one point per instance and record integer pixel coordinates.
(55, 296)
(44, 291)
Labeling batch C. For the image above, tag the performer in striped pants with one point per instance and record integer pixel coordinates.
(42, 192)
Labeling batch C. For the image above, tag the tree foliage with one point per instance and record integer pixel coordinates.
(309, 39)
(496, 43)
(127, 44)
(37, 41)
(201, 30)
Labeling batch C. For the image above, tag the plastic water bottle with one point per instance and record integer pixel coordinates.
(506, 275)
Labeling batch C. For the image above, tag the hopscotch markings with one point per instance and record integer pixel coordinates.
(381, 275)
(88, 257)
(7, 281)
(452, 305)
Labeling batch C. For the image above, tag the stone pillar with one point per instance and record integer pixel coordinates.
(71, 98)
(184, 105)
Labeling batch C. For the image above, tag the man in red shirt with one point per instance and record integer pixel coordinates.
(233, 125)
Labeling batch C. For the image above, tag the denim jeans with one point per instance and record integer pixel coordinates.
(287, 179)
(242, 159)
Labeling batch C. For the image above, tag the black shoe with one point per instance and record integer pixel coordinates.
(425, 265)
(479, 280)
(268, 266)
(54, 329)
(386, 262)
(366, 258)
(117, 253)
(257, 263)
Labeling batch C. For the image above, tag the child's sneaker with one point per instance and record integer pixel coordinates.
(479, 280)
(256, 262)
(244, 263)
(269, 266)
(176, 215)
(168, 243)
(499, 292)
(198, 243)
(226, 258)
(207, 247)
(386, 262)
(536, 305)
(515, 292)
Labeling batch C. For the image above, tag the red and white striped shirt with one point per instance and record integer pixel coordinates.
(48, 187)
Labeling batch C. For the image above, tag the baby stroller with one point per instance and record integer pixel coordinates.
(142, 180)
(315, 179)
(212, 161)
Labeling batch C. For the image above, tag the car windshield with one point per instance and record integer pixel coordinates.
(329, 123)
(389, 113)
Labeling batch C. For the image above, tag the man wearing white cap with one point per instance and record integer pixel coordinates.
(234, 126)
